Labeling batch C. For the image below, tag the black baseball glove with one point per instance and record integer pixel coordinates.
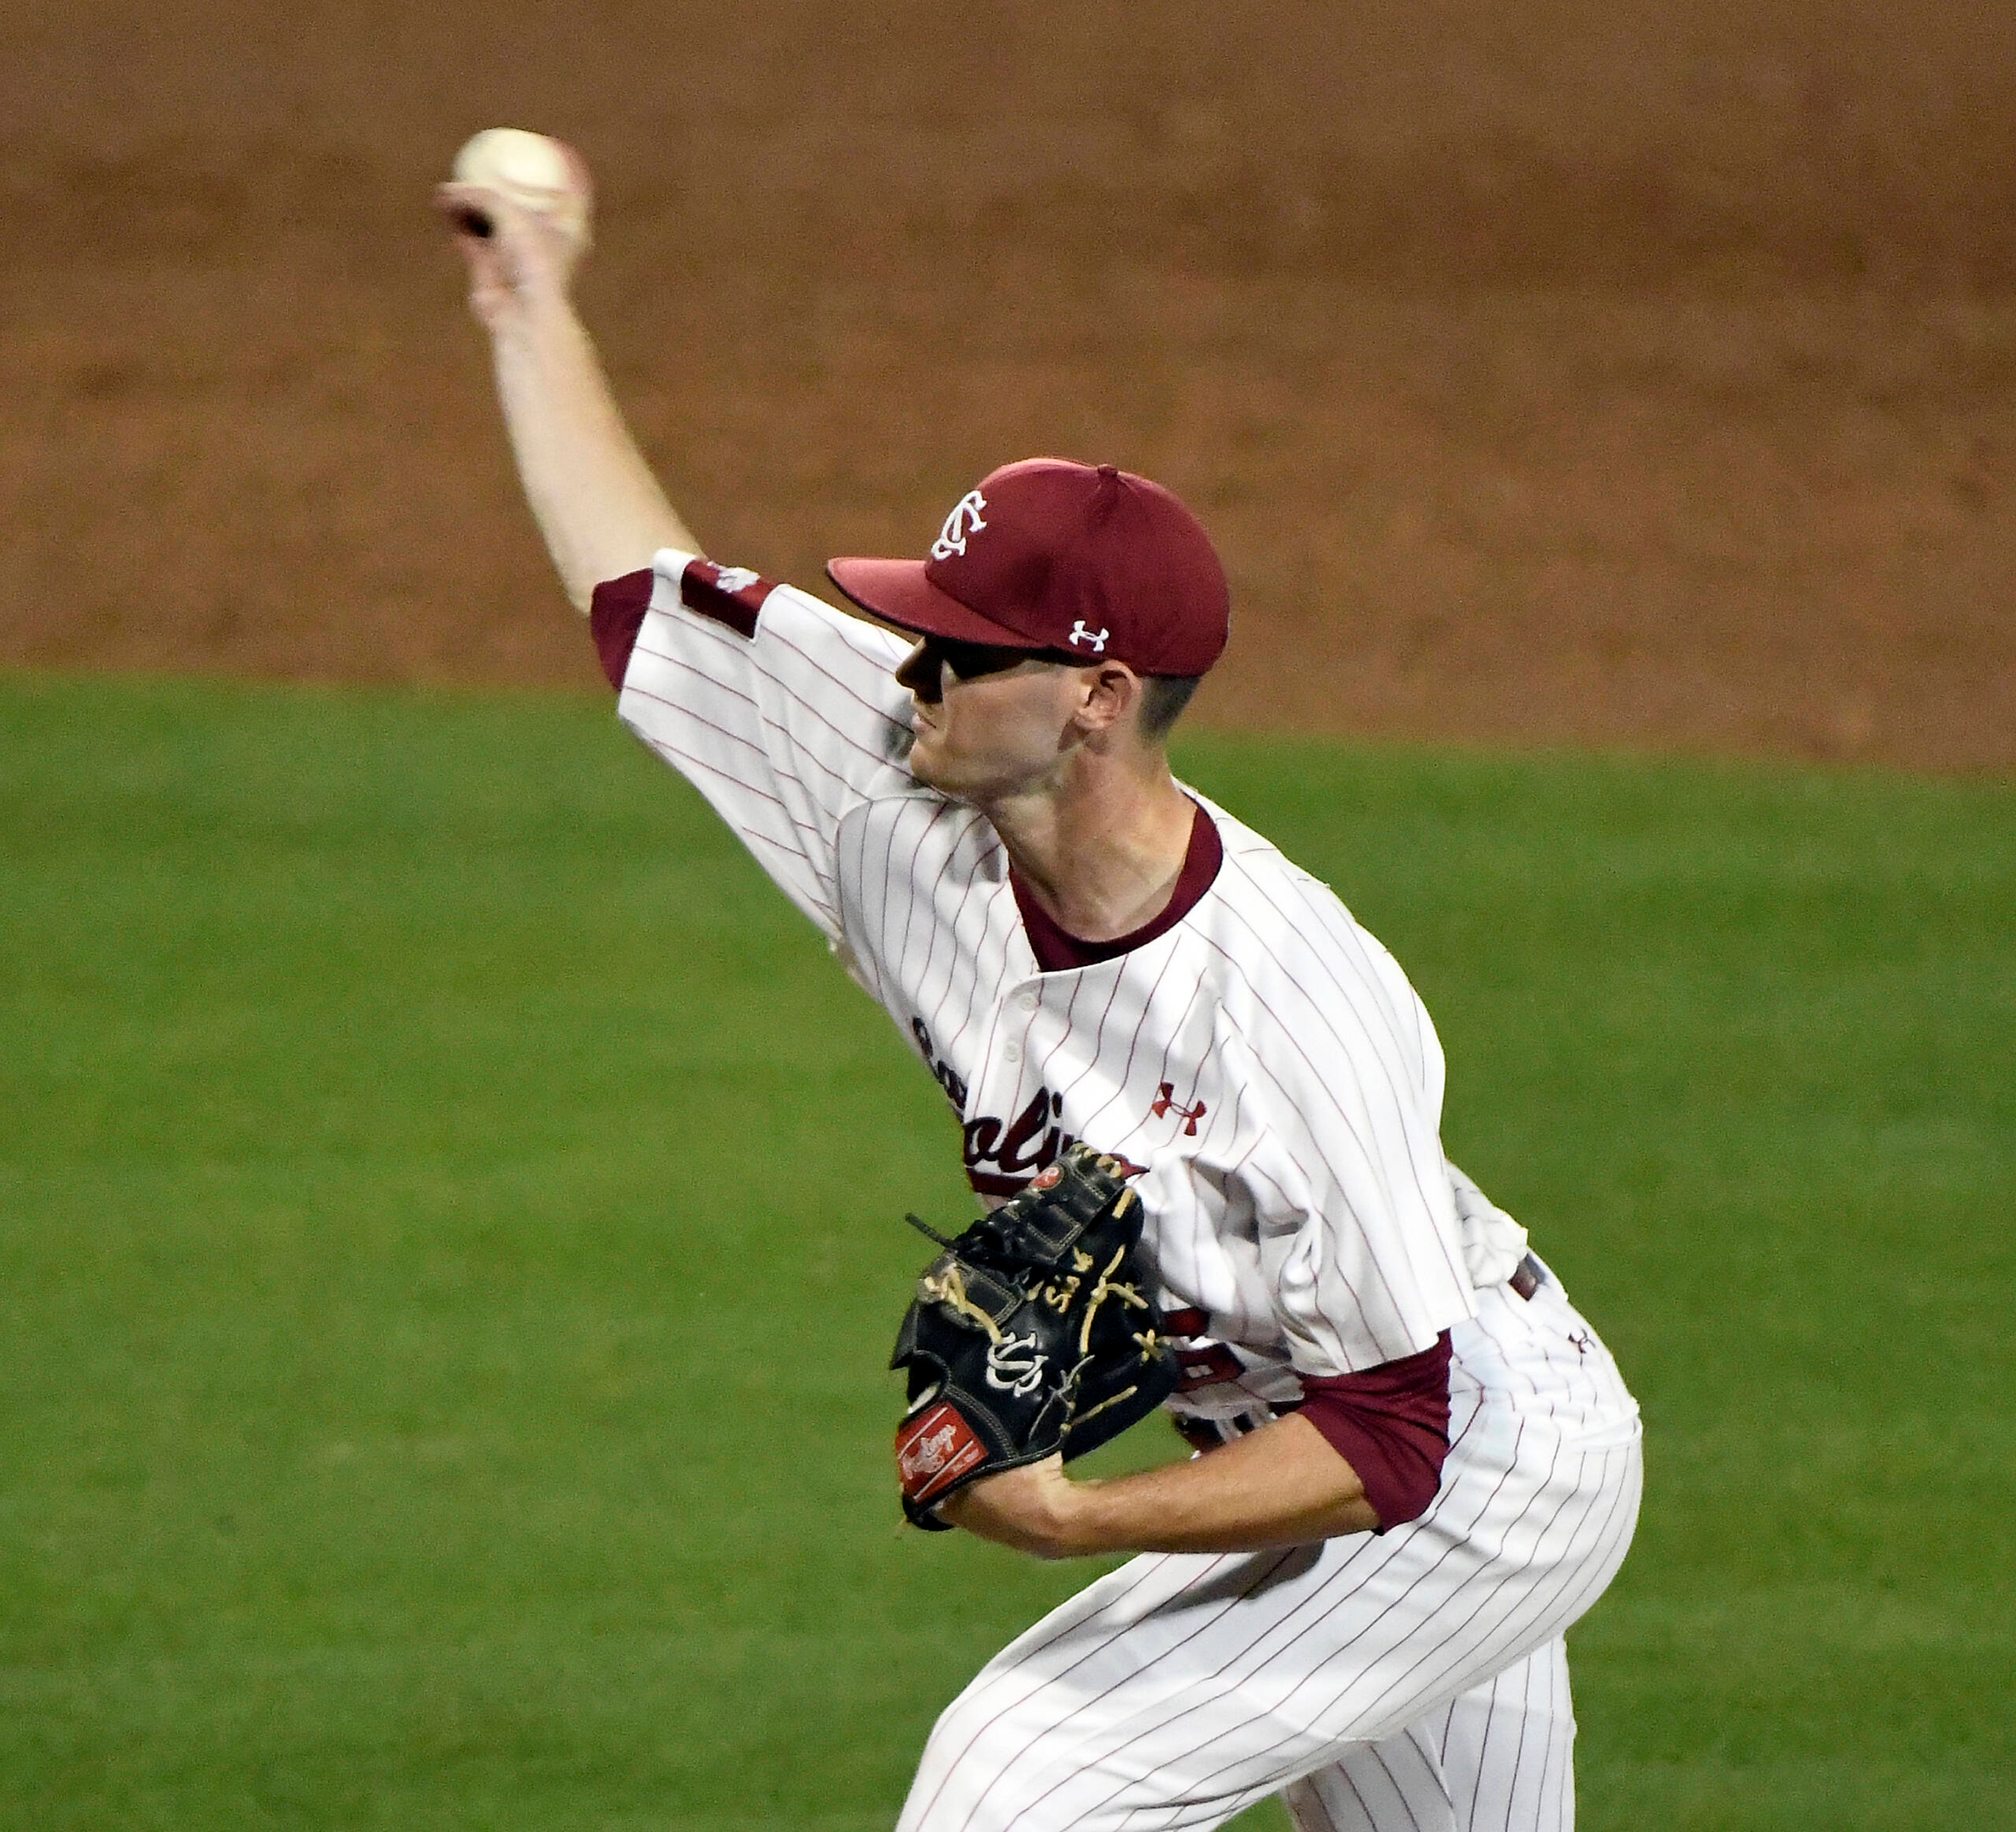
(1030, 1334)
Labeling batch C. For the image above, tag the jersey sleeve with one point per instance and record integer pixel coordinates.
(782, 711)
(1356, 1221)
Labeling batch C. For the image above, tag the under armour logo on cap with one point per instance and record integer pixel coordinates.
(1079, 560)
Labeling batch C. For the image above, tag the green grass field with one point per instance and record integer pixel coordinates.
(450, 1209)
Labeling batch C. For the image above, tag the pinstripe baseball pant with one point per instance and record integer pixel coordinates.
(1415, 1679)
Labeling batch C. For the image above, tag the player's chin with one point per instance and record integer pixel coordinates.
(930, 766)
(976, 781)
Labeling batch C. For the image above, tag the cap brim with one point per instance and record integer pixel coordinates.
(897, 592)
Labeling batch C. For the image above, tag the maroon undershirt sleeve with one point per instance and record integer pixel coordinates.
(615, 615)
(1391, 1425)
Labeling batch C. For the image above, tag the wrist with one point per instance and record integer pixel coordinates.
(537, 325)
(1076, 1524)
(1035, 1508)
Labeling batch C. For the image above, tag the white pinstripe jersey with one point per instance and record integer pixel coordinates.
(1264, 1057)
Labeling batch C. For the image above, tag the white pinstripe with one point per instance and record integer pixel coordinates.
(1499, 1757)
(1409, 1680)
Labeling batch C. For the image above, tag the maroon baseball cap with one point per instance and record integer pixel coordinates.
(1079, 560)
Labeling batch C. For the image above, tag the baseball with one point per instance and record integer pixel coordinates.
(546, 176)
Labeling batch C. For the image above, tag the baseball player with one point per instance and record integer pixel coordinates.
(1417, 1464)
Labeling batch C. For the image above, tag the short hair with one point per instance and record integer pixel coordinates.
(1162, 698)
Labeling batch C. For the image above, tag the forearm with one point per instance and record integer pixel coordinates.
(1282, 1485)
(1279, 1486)
(598, 505)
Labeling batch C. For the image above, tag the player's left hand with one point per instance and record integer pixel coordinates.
(1029, 1509)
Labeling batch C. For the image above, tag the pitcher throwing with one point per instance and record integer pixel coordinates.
(1416, 1464)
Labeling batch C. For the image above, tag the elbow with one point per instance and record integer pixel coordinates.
(1391, 1425)
(1405, 1495)
(1395, 1483)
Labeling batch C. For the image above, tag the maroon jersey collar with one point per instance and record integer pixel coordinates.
(1058, 951)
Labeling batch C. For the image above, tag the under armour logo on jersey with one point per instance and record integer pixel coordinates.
(1014, 1366)
(1166, 1104)
(735, 578)
(1581, 1341)
(963, 521)
(1096, 639)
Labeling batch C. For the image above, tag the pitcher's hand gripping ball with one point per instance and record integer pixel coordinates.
(1030, 1334)
(547, 177)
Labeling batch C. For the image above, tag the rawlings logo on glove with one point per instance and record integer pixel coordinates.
(1030, 1334)
(934, 1451)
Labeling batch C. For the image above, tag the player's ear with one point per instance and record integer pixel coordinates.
(1111, 696)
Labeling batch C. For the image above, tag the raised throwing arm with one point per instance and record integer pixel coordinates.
(598, 505)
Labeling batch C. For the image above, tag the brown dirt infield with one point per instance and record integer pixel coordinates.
(1620, 374)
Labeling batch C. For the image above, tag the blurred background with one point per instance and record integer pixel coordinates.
(1623, 373)
(449, 1239)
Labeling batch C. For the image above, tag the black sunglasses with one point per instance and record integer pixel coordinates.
(970, 660)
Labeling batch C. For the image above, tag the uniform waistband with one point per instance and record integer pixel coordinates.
(1208, 1434)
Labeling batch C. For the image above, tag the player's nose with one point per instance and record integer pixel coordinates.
(923, 674)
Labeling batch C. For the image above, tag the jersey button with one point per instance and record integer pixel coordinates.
(1027, 1002)
(1011, 1053)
